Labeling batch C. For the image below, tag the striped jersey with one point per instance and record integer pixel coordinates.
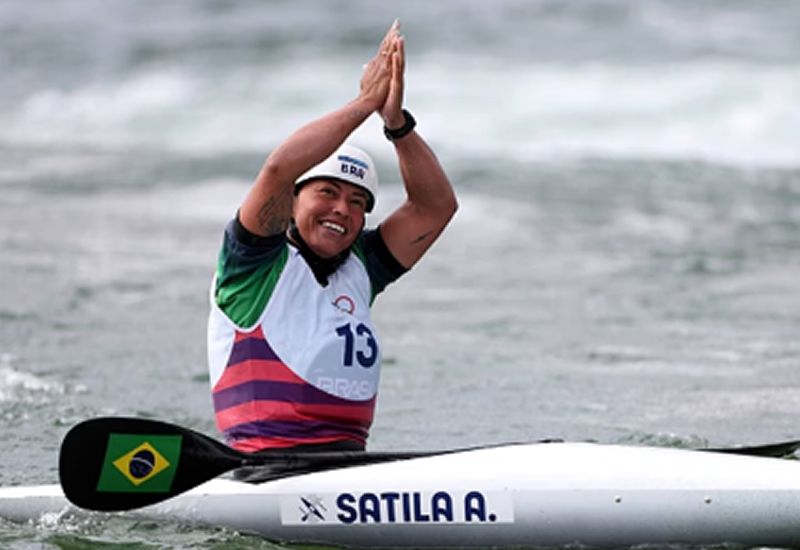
(293, 361)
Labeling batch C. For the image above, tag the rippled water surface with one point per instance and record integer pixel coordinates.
(624, 266)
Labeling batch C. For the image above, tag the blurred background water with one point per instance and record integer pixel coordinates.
(625, 264)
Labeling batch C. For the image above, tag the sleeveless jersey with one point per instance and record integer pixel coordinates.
(307, 370)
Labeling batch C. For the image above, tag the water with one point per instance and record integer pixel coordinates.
(624, 265)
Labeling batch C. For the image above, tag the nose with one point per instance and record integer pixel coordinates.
(342, 206)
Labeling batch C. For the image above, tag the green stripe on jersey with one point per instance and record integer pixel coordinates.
(243, 296)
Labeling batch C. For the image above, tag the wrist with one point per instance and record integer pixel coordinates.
(395, 120)
(395, 130)
(364, 105)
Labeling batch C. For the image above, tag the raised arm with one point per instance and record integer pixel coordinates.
(267, 208)
(430, 200)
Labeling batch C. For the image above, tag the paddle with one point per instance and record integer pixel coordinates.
(112, 464)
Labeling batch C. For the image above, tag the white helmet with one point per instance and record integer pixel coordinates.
(350, 165)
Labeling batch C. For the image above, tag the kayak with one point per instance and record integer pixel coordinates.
(519, 495)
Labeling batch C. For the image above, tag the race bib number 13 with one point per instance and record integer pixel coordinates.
(359, 345)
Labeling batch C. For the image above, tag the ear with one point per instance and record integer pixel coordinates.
(295, 199)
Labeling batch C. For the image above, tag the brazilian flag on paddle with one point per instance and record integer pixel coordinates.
(111, 464)
(140, 463)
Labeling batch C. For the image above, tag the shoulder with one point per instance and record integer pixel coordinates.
(247, 272)
(381, 265)
(241, 242)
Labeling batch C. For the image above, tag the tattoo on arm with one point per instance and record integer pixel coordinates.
(274, 215)
(421, 238)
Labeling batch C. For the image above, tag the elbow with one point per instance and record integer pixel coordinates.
(444, 206)
(450, 204)
(450, 211)
(273, 167)
(275, 170)
(283, 162)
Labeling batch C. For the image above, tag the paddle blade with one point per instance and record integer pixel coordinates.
(111, 464)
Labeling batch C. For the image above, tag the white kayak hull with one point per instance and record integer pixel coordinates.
(549, 494)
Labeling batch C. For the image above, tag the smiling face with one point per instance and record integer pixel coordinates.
(329, 215)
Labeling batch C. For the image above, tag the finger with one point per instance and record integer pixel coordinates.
(394, 29)
(387, 40)
(401, 53)
(397, 80)
(397, 58)
(386, 43)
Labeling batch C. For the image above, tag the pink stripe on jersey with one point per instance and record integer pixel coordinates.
(255, 444)
(250, 370)
(261, 403)
(358, 416)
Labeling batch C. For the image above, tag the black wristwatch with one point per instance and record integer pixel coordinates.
(404, 130)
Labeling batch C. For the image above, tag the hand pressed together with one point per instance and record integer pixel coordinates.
(382, 81)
